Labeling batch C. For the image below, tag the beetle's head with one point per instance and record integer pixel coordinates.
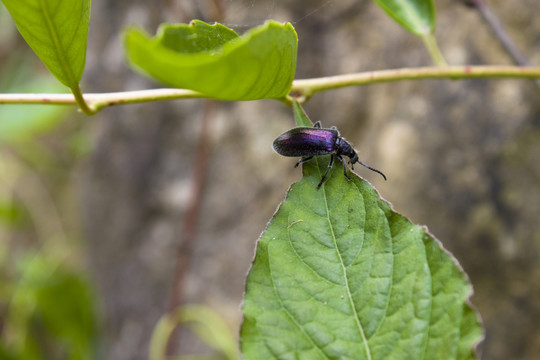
(354, 158)
(344, 148)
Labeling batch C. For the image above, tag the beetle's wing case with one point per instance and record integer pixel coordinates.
(304, 141)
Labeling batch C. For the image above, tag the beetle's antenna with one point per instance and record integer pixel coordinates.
(372, 169)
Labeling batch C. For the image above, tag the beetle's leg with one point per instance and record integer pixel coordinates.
(317, 125)
(303, 160)
(344, 167)
(330, 164)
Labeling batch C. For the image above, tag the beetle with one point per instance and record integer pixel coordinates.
(308, 142)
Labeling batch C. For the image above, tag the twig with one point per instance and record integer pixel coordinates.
(97, 102)
(306, 87)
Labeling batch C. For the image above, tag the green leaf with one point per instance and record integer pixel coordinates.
(57, 31)
(417, 16)
(215, 61)
(339, 275)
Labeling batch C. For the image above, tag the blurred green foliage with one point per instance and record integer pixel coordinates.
(47, 305)
(21, 122)
(49, 311)
(205, 323)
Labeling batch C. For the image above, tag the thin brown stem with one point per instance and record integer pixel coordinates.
(500, 33)
(188, 233)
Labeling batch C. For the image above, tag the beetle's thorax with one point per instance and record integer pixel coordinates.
(344, 148)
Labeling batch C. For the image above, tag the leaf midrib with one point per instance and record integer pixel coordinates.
(60, 51)
(344, 268)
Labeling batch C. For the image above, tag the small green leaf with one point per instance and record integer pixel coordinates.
(57, 31)
(339, 275)
(215, 61)
(417, 16)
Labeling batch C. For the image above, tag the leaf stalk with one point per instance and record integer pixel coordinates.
(79, 98)
(431, 44)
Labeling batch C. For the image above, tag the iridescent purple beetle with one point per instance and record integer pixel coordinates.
(309, 142)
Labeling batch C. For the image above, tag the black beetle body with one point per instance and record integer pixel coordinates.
(309, 142)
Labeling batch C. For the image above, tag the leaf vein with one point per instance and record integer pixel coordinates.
(317, 274)
(293, 319)
(347, 287)
(60, 51)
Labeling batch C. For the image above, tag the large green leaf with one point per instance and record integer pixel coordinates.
(417, 16)
(339, 275)
(57, 31)
(215, 61)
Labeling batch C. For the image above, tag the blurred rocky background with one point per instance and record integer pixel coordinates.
(96, 209)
